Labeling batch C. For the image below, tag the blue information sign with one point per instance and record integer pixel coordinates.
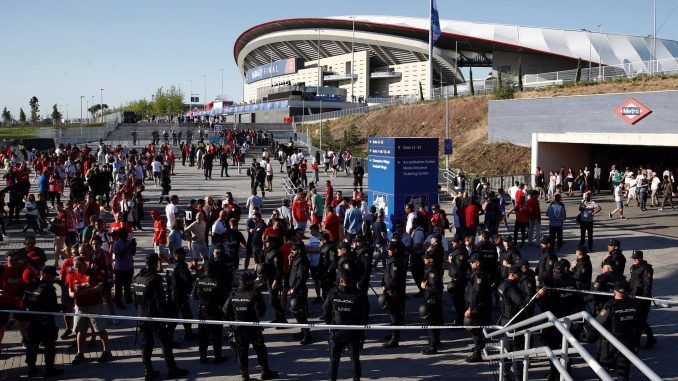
(448, 146)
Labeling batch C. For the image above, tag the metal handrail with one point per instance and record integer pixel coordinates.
(527, 327)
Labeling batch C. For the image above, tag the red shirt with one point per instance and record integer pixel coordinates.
(102, 267)
(534, 209)
(85, 281)
(286, 250)
(471, 214)
(332, 225)
(300, 210)
(302, 168)
(67, 267)
(11, 286)
(159, 232)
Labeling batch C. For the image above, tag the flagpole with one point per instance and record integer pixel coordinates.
(430, 49)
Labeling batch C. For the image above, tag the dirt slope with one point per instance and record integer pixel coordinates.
(468, 125)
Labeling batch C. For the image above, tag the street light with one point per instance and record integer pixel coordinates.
(101, 105)
(600, 56)
(204, 76)
(588, 78)
(93, 115)
(352, 56)
(222, 82)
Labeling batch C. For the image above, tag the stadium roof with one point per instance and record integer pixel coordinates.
(286, 38)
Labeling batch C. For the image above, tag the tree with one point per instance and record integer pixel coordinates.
(520, 74)
(6, 115)
(352, 136)
(22, 116)
(578, 77)
(168, 101)
(97, 108)
(35, 109)
(470, 80)
(56, 115)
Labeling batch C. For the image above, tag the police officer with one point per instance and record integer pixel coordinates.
(582, 269)
(150, 299)
(417, 254)
(327, 266)
(179, 281)
(247, 304)
(641, 278)
(459, 272)
(392, 299)
(273, 270)
(347, 263)
(512, 298)
(605, 283)
(615, 256)
(225, 269)
(41, 329)
(300, 268)
(547, 260)
(437, 252)
(560, 303)
(363, 251)
(622, 317)
(345, 305)
(432, 309)
(210, 292)
(511, 256)
(478, 306)
(489, 258)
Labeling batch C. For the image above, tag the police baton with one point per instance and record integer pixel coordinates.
(534, 297)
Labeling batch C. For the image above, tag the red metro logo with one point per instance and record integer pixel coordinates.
(632, 111)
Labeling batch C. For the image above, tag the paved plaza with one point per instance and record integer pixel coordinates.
(656, 233)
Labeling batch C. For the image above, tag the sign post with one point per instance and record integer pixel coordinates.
(402, 171)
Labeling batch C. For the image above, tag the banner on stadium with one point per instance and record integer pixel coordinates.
(273, 69)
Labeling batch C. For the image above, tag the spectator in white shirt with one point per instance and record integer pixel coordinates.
(172, 211)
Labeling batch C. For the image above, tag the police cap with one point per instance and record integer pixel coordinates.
(359, 238)
(475, 257)
(524, 262)
(248, 275)
(622, 286)
(545, 240)
(613, 242)
(637, 254)
(51, 270)
(153, 257)
(515, 269)
(344, 245)
(562, 265)
(583, 249)
(508, 238)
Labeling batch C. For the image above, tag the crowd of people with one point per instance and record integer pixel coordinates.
(323, 239)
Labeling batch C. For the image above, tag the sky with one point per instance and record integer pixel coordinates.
(61, 50)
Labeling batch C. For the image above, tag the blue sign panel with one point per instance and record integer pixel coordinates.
(273, 69)
(402, 171)
(448, 146)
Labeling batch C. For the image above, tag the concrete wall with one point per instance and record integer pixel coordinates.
(514, 121)
(550, 156)
(532, 63)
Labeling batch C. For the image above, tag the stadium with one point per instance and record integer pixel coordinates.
(364, 58)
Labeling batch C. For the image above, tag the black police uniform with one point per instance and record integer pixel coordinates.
(273, 259)
(641, 285)
(247, 304)
(150, 299)
(479, 301)
(179, 281)
(623, 319)
(605, 283)
(345, 305)
(433, 302)
(225, 269)
(487, 252)
(348, 266)
(299, 273)
(547, 261)
(459, 272)
(328, 267)
(512, 299)
(210, 292)
(437, 253)
(617, 260)
(364, 262)
(512, 256)
(41, 329)
(560, 303)
(583, 273)
(394, 283)
(527, 284)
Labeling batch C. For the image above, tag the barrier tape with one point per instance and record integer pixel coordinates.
(661, 302)
(313, 326)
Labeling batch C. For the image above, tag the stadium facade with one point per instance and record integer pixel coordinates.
(389, 57)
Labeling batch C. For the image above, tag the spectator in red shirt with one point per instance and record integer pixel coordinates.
(67, 303)
(159, 237)
(87, 292)
(300, 211)
(332, 224)
(302, 173)
(329, 191)
(534, 230)
(522, 211)
(471, 217)
(101, 265)
(12, 286)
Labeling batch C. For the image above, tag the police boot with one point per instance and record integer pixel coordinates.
(190, 336)
(307, 338)
(475, 357)
(150, 374)
(52, 372)
(431, 350)
(32, 371)
(393, 342)
(268, 374)
(220, 359)
(651, 341)
(176, 373)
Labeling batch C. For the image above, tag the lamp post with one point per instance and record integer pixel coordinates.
(588, 32)
(222, 83)
(204, 77)
(190, 98)
(101, 105)
(600, 59)
(352, 56)
(654, 38)
(317, 89)
(93, 115)
(82, 96)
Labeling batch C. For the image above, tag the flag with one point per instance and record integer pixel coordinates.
(435, 23)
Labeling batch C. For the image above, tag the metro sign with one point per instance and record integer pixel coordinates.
(632, 111)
